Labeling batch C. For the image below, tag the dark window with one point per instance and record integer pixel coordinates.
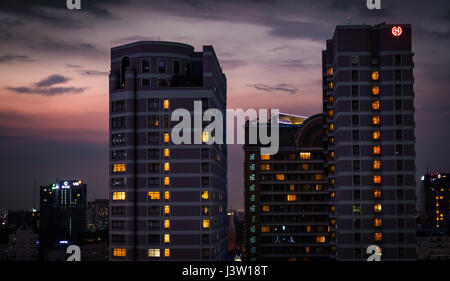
(145, 65)
(205, 181)
(401, 251)
(400, 223)
(118, 122)
(356, 150)
(153, 154)
(355, 105)
(153, 167)
(356, 180)
(357, 238)
(115, 224)
(205, 152)
(187, 69)
(398, 90)
(356, 165)
(162, 82)
(398, 59)
(400, 208)
(400, 194)
(355, 135)
(399, 165)
(355, 120)
(145, 82)
(118, 181)
(117, 238)
(357, 223)
(398, 75)
(117, 139)
(153, 239)
(118, 154)
(355, 90)
(153, 138)
(398, 119)
(153, 224)
(205, 167)
(355, 60)
(205, 238)
(123, 67)
(153, 104)
(398, 135)
(398, 149)
(399, 179)
(354, 75)
(357, 194)
(375, 61)
(398, 104)
(205, 253)
(118, 210)
(118, 106)
(176, 67)
(154, 182)
(162, 66)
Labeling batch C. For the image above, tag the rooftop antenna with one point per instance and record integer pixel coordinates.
(349, 19)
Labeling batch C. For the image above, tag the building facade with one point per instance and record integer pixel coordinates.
(168, 202)
(23, 244)
(435, 202)
(98, 215)
(368, 111)
(286, 196)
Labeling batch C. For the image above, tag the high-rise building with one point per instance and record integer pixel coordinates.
(435, 202)
(168, 202)
(98, 215)
(368, 110)
(23, 244)
(286, 197)
(62, 213)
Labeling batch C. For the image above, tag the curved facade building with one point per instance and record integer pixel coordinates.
(167, 201)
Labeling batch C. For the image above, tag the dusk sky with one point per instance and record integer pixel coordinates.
(54, 66)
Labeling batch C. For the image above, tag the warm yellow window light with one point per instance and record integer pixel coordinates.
(279, 177)
(320, 239)
(265, 228)
(376, 135)
(153, 195)
(166, 209)
(291, 197)
(291, 187)
(308, 228)
(166, 223)
(332, 195)
(154, 253)
(330, 71)
(166, 152)
(376, 105)
(331, 127)
(377, 179)
(376, 150)
(377, 194)
(166, 137)
(330, 113)
(331, 140)
(167, 252)
(265, 156)
(305, 155)
(166, 195)
(166, 166)
(376, 164)
(265, 167)
(375, 75)
(119, 168)
(119, 252)
(377, 208)
(265, 208)
(166, 104)
(205, 136)
(166, 238)
(205, 195)
(166, 180)
(376, 120)
(377, 222)
(120, 195)
(307, 250)
(330, 85)
(205, 223)
(375, 90)
(378, 236)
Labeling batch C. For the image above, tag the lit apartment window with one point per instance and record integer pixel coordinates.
(332, 195)
(166, 238)
(166, 104)
(377, 222)
(265, 156)
(279, 177)
(166, 209)
(320, 239)
(266, 208)
(375, 75)
(333, 208)
(305, 155)
(330, 71)
(166, 152)
(377, 208)
(308, 228)
(376, 120)
(252, 167)
(377, 194)
(265, 167)
(330, 99)
(153, 195)
(166, 181)
(375, 90)
(376, 135)
(377, 179)
(331, 127)
(252, 187)
(356, 208)
(166, 195)
(307, 250)
(205, 136)
(166, 224)
(166, 167)
(205, 223)
(376, 105)
(166, 137)
(265, 228)
(291, 197)
(376, 150)
(330, 113)
(332, 169)
(119, 195)
(119, 168)
(291, 187)
(154, 253)
(376, 164)
(251, 177)
(205, 195)
(167, 252)
(332, 154)
(119, 252)
(331, 140)
(378, 236)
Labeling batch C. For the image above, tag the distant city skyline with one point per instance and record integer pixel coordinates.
(54, 65)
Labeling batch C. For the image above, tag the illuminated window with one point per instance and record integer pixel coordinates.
(265, 167)
(333, 208)
(330, 85)
(377, 179)
(265, 156)
(376, 135)
(265, 228)
(154, 253)
(167, 195)
(166, 238)
(377, 194)
(205, 224)
(377, 222)
(332, 168)
(378, 236)
(356, 208)
(330, 71)
(166, 167)
(377, 208)
(376, 90)
(166, 137)
(119, 252)
(153, 195)
(166, 152)
(331, 127)
(376, 164)
(166, 209)
(166, 181)
(205, 195)
(375, 75)
(318, 177)
(376, 120)
(119, 168)
(320, 239)
(291, 197)
(205, 136)
(330, 113)
(167, 252)
(305, 167)
(332, 154)
(279, 177)
(307, 250)
(166, 223)
(331, 140)
(308, 228)
(291, 187)
(330, 99)
(376, 150)
(265, 208)
(305, 155)
(376, 105)
(166, 104)
(332, 195)
(119, 195)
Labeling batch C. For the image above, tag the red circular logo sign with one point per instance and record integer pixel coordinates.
(397, 30)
